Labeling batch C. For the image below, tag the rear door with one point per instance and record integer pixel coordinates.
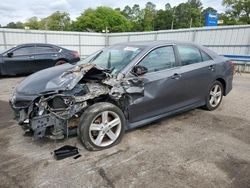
(22, 60)
(163, 88)
(46, 56)
(198, 73)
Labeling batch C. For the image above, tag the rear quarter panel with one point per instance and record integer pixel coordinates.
(224, 70)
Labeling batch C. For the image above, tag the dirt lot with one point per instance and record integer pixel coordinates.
(194, 149)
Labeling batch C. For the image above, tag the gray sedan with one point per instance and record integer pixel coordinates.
(119, 88)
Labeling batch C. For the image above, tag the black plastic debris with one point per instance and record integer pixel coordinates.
(65, 151)
(77, 156)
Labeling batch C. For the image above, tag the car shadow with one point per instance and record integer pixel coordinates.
(13, 76)
(162, 121)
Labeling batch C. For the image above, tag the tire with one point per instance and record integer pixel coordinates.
(214, 96)
(60, 62)
(95, 129)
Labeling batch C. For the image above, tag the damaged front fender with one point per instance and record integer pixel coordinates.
(66, 96)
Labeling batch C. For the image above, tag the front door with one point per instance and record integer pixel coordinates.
(163, 86)
(20, 61)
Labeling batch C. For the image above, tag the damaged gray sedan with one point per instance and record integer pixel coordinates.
(118, 88)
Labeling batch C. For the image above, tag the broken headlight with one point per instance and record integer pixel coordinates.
(60, 102)
(41, 108)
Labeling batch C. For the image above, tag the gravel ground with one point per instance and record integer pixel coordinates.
(193, 149)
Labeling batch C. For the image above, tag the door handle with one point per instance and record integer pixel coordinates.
(32, 57)
(54, 55)
(176, 76)
(211, 67)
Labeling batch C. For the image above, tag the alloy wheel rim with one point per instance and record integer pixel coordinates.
(105, 128)
(215, 95)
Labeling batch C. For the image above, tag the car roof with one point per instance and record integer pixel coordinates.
(43, 44)
(152, 43)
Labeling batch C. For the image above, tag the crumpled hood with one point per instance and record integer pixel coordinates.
(63, 77)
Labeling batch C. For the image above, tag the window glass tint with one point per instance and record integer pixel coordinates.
(159, 59)
(24, 51)
(46, 49)
(205, 57)
(116, 58)
(189, 55)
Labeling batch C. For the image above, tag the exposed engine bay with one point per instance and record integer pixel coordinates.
(55, 113)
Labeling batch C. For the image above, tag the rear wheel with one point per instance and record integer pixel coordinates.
(101, 126)
(214, 97)
(60, 62)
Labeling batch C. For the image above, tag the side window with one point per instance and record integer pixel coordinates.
(189, 55)
(46, 49)
(24, 51)
(159, 59)
(205, 57)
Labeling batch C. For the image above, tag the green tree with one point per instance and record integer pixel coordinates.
(188, 14)
(239, 9)
(127, 12)
(228, 19)
(32, 23)
(195, 3)
(182, 16)
(13, 25)
(149, 17)
(100, 18)
(56, 21)
(196, 12)
(135, 16)
(164, 18)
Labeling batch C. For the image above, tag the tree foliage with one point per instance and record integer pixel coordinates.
(17, 25)
(58, 21)
(33, 23)
(101, 18)
(134, 18)
(238, 9)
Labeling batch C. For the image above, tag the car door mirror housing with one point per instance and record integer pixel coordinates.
(10, 54)
(140, 70)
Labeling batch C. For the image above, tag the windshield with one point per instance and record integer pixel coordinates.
(114, 58)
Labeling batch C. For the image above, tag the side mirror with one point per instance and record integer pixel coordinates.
(140, 70)
(10, 54)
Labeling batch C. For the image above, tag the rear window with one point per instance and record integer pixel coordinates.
(46, 49)
(189, 55)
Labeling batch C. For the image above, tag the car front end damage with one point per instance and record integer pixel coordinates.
(55, 111)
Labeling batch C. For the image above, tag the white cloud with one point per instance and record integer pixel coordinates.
(22, 10)
(60, 5)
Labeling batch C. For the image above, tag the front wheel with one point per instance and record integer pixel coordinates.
(101, 126)
(214, 97)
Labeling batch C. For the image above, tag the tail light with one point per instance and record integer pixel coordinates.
(75, 54)
(231, 63)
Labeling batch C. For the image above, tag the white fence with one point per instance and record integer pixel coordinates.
(83, 42)
(223, 40)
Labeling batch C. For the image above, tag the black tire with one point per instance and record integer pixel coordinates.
(60, 62)
(208, 105)
(93, 113)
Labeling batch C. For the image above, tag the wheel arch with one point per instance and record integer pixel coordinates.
(223, 82)
(62, 59)
(106, 98)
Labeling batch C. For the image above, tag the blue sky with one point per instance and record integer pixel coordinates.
(13, 10)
